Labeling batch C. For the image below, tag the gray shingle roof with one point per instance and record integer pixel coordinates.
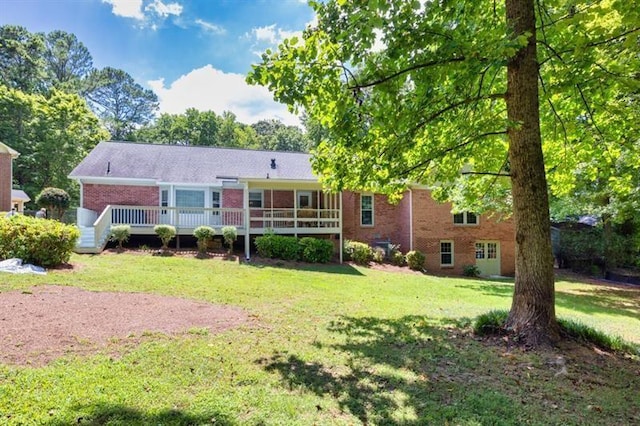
(190, 164)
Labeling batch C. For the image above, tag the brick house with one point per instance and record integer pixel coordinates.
(261, 191)
(9, 198)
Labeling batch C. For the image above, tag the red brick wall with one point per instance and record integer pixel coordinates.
(97, 197)
(281, 199)
(232, 198)
(6, 182)
(390, 222)
(433, 222)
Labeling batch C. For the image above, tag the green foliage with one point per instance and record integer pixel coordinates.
(360, 253)
(586, 334)
(415, 260)
(316, 250)
(470, 271)
(490, 323)
(588, 250)
(41, 242)
(120, 234)
(278, 247)
(166, 233)
(230, 235)
(55, 200)
(397, 258)
(204, 234)
(378, 254)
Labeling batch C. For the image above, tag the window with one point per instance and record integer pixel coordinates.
(215, 199)
(480, 251)
(164, 200)
(255, 199)
(446, 253)
(366, 210)
(304, 200)
(492, 250)
(465, 218)
(189, 198)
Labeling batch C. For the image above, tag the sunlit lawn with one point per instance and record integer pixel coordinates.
(329, 345)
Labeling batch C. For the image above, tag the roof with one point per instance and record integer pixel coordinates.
(18, 194)
(190, 164)
(5, 148)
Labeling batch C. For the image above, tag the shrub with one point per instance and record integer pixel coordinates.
(397, 258)
(120, 234)
(415, 260)
(55, 200)
(379, 254)
(278, 247)
(204, 234)
(491, 323)
(230, 234)
(316, 250)
(359, 252)
(470, 271)
(165, 233)
(41, 242)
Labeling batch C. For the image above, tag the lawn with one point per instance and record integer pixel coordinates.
(326, 345)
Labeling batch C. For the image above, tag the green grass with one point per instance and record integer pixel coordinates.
(328, 345)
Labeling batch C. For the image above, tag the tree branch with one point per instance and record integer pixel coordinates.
(498, 174)
(407, 70)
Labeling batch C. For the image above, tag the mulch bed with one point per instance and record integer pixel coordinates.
(47, 322)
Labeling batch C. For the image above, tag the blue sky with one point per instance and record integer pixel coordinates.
(192, 53)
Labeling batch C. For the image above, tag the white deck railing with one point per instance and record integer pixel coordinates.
(294, 218)
(180, 217)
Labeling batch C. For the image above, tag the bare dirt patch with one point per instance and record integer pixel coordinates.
(49, 321)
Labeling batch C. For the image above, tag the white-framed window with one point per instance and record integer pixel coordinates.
(255, 199)
(446, 253)
(189, 198)
(304, 200)
(216, 201)
(366, 209)
(465, 218)
(164, 199)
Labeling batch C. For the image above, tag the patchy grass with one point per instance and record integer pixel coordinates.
(329, 345)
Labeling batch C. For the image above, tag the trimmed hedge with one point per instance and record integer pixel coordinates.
(360, 253)
(165, 233)
(308, 249)
(415, 260)
(316, 250)
(38, 241)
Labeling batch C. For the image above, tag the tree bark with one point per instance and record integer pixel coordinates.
(532, 316)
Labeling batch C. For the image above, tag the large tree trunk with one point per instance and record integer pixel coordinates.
(532, 315)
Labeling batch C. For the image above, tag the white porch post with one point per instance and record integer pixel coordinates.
(410, 219)
(295, 212)
(247, 221)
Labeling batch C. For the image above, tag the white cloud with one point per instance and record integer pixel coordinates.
(272, 35)
(126, 8)
(164, 9)
(207, 88)
(209, 27)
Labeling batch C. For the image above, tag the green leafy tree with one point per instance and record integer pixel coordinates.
(67, 61)
(273, 135)
(120, 102)
(452, 94)
(55, 200)
(21, 60)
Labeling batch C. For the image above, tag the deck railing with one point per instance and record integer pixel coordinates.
(294, 218)
(180, 217)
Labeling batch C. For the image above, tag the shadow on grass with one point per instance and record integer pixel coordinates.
(102, 414)
(329, 268)
(405, 371)
(595, 300)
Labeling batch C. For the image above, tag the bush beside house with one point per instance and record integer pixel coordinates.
(40, 242)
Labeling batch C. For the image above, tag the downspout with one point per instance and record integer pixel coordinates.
(340, 221)
(410, 219)
(247, 221)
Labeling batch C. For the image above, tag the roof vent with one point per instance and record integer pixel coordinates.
(108, 167)
(273, 163)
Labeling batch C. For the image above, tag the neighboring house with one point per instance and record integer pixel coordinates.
(262, 191)
(9, 198)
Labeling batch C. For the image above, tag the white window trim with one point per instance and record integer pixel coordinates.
(219, 191)
(307, 193)
(465, 220)
(447, 265)
(373, 210)
(184, 188)
(261, 192)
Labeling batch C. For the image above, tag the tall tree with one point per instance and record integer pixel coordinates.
(274, 135)
(447, 94)
(67, 61)
(120, 102)
(21, 64)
